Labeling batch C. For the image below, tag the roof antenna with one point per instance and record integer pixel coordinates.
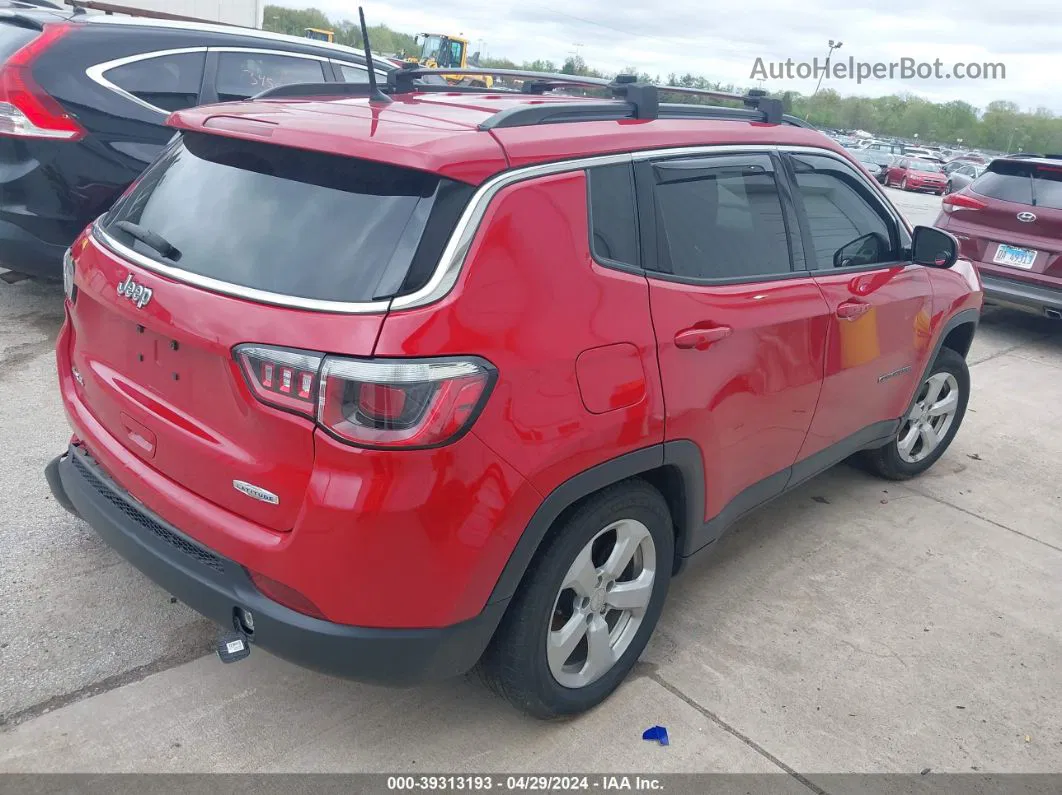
(375, 94)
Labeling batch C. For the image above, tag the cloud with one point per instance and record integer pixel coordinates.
(722, 42)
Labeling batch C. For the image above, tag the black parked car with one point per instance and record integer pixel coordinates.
(84, 99)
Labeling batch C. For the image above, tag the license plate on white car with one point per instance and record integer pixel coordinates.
(1014, 257)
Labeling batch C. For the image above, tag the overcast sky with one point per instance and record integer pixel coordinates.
(722, 40)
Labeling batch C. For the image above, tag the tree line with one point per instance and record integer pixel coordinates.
(1001, 126)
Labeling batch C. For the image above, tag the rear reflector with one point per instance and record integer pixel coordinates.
(26, 111)
(963, 201)
(284, 594)
(379, 403)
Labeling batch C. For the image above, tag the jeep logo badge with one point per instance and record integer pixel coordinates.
(137, 293)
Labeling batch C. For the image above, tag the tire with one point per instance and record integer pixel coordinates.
(896, 461)
(516, 665)
(903, 184)
(948, 189)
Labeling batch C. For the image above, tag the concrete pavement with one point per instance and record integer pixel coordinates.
(852, 626)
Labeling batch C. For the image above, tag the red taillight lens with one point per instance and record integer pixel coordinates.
(26, 111)
(380, 403)
(965, 201)
(281, 377)
(284, 594)
(401, 403)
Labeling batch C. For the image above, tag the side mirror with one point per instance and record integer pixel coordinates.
(865, 250)
(934, 247)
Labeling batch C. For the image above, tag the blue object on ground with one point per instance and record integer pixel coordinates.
(657, 734)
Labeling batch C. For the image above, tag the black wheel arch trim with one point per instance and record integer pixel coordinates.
(961, 318)
(682, 455)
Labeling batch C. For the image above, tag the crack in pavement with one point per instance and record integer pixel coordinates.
(164, 663)
(975, 515)
(748, 741)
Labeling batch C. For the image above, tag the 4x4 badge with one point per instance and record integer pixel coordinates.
(1027, 217)
(137, 293)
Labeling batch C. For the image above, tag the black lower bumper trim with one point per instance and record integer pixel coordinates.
(1021, 294)
(215, 586)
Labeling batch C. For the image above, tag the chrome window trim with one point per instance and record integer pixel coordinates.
(97, 73)
(457, 247)
(237, 290)
(452, 260)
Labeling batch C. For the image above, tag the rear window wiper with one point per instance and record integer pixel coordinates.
(1032, 185)
(151, 239)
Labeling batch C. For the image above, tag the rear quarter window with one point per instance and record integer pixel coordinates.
(292, 222)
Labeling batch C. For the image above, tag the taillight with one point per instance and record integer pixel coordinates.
(26, 111)
(964, 201)
(401, 403)
(281, 377)
(69, 288)
(379, 403)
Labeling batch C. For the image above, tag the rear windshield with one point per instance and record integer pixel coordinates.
(1022, 182)
(13, 38)
(288, 221)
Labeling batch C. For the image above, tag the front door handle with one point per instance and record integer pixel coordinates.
(700, 338)
(850, 310)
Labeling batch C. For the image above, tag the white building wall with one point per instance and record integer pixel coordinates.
(232, 12)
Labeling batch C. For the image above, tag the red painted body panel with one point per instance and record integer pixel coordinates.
(893, 333)
(531, 300)
(748, 399)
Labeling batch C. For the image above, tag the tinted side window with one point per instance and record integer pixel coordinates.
(244, 74)
(840, 210)
(614, 224)
(720, 220)
(169, 82)
(352, 73)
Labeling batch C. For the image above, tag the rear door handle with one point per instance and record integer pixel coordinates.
(850, 310)
(701, 338)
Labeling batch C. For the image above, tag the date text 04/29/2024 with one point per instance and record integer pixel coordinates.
(523, 783)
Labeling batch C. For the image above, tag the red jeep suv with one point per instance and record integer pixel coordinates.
(395, 384)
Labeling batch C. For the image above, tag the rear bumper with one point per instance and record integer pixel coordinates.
(215, 586)
(1021, 294)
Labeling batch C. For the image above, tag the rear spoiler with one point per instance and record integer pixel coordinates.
(21, 20)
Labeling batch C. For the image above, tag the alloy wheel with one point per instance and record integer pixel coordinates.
(601, 603)
(929, 421)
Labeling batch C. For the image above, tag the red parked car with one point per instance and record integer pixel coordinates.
(912, 173)
(1009, 224)
(393, 388)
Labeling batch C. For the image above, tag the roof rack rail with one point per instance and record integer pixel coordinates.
(642, 100)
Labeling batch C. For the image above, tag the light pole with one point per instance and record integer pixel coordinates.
(834, 45)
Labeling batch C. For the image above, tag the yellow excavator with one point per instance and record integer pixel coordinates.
(442, 51)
